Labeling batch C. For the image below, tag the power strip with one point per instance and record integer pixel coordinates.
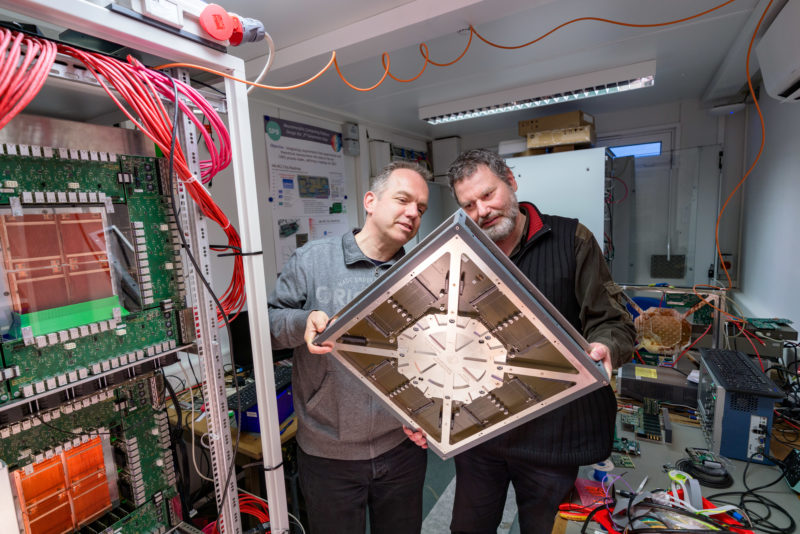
(792, 466)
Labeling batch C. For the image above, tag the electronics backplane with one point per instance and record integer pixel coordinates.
(92, 304)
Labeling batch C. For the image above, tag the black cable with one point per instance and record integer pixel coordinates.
(48, 425)
(711, 480)
(762, 524)
(237, 251)
(257, 253)
(181, 380)
(198, 272)
(197, 381)
(792, 440)
(176, 442)
(204, 84)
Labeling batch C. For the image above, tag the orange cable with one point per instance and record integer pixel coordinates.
(423, 49)
(234, 78)
(692, 345)
(456, 60)
(386, 62)
(730, 316)
(598, 19)
(760, 149)
(385, 57)
(741, 182)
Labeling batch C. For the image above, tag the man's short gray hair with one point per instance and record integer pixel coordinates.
(467, 164)
(378, 183)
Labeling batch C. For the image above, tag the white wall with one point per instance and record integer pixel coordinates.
(356, 176)
(771, 224)
(694, 127)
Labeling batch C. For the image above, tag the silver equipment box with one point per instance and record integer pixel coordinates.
(456, 341)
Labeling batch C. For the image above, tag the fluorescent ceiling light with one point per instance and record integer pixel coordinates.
(609, 81)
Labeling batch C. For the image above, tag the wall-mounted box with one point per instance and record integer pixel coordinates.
(581, 135)
(380, 154)
(445, 151)
(350, 144)
(571, 119)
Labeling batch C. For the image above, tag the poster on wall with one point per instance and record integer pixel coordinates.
(307, 185)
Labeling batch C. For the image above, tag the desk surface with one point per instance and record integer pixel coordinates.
(249, 442)
(654, 455)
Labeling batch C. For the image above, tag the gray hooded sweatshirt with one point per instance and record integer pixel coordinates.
(338, 417)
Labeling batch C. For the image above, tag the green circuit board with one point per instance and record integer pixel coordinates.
(131, 411)
(19, 174)
(149, 517)
(18, 446)
(704, 315)
(139, 419)
(150, 210)
(92, 300)
(53, 363)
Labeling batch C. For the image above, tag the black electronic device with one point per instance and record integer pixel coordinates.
(735, 403)
(240, 343)
(242, 346)
(764, 337)
(791, 466)
(661, 383)
(737, 373)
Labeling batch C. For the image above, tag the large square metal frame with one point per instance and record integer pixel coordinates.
(463, 357)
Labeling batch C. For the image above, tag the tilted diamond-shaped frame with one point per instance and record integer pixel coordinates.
(458, 342)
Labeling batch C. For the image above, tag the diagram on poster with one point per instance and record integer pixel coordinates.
(307, 188)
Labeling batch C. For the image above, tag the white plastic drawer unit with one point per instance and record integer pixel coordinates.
(455, 340)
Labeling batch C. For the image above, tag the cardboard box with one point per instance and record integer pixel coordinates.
(531, 152)
(571, 119)
(582, 135)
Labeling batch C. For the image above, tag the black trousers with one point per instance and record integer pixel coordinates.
(482, 477)
(338, 492)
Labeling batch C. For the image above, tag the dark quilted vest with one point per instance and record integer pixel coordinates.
(581, 432)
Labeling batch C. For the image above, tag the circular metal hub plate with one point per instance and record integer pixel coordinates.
(462, 366)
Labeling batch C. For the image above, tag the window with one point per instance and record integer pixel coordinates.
(656, 145)
(639, 150)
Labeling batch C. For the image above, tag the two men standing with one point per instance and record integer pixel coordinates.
(353, 454)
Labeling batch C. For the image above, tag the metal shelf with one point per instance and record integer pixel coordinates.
(71, 93)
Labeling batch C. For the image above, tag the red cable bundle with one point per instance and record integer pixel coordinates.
(603, 517)
(137, 86)
(220, 156)
(21, 78)
(248, 504)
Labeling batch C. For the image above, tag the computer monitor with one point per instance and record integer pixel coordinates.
(242, 347)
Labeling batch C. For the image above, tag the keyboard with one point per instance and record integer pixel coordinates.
(737, 372)
(283, 376)
(247, 392)
(247, 397)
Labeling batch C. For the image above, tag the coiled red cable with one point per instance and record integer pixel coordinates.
(138, 91)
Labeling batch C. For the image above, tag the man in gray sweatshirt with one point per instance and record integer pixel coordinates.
(352, 453)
